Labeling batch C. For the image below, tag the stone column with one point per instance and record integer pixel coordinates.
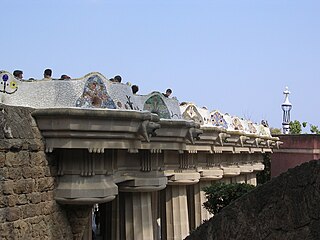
(251, 179)
(156, 211)
(239, 179)
(78, 216)
(87, 235)
(199, 197)
(175, 223)
(138, 216)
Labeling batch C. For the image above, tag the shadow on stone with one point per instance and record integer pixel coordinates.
(287, 207)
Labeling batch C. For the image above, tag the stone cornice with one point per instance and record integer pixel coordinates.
(133, 130)
(87, 128)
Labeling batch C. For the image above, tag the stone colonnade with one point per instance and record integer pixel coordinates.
(164, 201)
(146, 174)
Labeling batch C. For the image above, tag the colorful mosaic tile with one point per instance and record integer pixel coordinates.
(217, 120)
(155, 104)
(262, 131)
(237, 124)
(191, 113)
(95, 95)
(7, 85)
(251, 127)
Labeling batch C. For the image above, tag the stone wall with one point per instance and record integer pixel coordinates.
(287, 207)
(295, 150)
(27, 180)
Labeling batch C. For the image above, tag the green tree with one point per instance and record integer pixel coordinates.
(220, 195)
(275, 131)
(295, 127)
(314, 129)
(304, 124)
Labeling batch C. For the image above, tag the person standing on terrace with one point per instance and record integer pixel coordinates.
(168, 93)
(135, 89)
(64, 77)
(47, 75)
(18, 74)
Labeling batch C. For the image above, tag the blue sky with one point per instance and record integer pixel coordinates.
(235, 56)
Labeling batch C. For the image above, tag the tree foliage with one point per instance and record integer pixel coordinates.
(314, 129)
(295, 127)
(220, 195)
(275, 131)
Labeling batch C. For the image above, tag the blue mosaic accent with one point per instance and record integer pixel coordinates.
(155, 104)
(5, 77)
(95, 95)
(217, 120)
(8, 87)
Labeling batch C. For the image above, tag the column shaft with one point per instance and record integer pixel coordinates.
(252, 179)
(239, 179)
(138, 216)
(177, 223)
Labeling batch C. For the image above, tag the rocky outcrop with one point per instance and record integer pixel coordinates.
(288, 207)
(27, 180)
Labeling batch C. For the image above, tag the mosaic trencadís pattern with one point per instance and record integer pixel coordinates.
(237, 124)
(217, 120)
(95, 95)
(155, 104)
(251, 127)
(262, 131)
(191, 113)
(7, 84)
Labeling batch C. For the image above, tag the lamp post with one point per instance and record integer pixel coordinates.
(286, 107)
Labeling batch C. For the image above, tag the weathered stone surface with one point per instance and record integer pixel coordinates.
(15, 173)
(2, 215)
(35, 197)
(30, 210)
(36, 145)
(24, 186)
(22, 230)
(48, 207)
(285, 208)
(47, 196)
(13, 214)
(47, 171)
(3, 201)
(78, 218)
(6, 230)
(38, 159)
(22, 199)
(12, 200)
(45, 184)
(27, 172)
(7, 187)
(15, 159)
(27, 206)
(4, 173)
(15, 123)
(2, 159)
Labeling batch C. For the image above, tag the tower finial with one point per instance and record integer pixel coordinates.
(286, 107)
